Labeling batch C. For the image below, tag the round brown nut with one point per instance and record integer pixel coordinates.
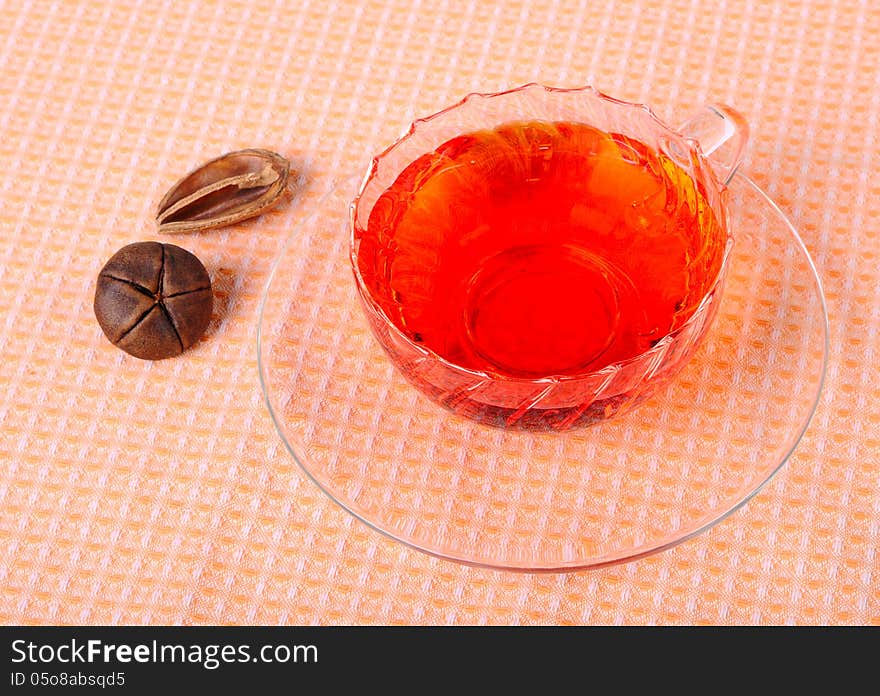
(153, 300)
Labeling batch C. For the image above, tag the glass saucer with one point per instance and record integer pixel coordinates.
(534, 501)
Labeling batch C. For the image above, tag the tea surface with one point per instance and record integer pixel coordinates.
(537, 249)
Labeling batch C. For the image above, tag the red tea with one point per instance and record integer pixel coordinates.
(540, 248)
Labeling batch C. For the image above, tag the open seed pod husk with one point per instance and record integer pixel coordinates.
(233, 187)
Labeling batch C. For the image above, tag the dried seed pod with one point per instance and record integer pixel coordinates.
(153, 300)
(230, 188)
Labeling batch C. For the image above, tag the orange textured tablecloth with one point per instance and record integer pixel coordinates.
(159, 493)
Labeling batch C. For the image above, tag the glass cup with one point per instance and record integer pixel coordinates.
(554, 333)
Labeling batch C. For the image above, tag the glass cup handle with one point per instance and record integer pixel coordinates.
(723, 130)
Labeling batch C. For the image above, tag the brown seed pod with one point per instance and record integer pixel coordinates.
(230, 188)
(153, 300)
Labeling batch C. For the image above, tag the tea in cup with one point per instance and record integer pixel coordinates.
(544, 258)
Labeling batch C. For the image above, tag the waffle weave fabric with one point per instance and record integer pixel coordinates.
(160, 493)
